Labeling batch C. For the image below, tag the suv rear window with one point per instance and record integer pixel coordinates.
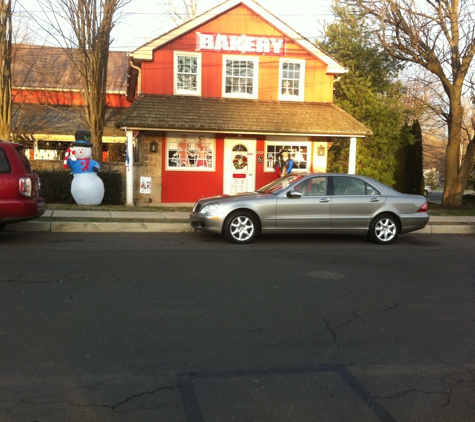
(4, 164)
(24, 160)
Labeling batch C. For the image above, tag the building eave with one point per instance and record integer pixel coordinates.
(234, 116)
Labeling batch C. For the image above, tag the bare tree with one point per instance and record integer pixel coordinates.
(181, 11)
(438, 35)
(6, 75)
(82, 28)
(425, 102)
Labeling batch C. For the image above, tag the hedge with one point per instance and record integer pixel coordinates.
(56, 187)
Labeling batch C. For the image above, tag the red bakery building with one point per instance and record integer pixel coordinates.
(217, 98)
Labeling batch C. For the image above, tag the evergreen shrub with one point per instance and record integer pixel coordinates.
(56, 187)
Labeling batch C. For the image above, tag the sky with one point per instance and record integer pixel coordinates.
(138, 28)
(144, 20)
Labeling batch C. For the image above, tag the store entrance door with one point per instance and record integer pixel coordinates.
(239, 166)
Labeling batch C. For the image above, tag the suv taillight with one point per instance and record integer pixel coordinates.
(24, 186)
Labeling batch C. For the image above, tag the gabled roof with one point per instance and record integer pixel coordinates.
(145, 52)
(239, 116)
(39, 67)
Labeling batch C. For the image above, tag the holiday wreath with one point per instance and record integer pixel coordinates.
(239, 162)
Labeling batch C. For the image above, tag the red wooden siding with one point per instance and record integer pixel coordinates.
(157, 76)
(189, 186)
(262, 178)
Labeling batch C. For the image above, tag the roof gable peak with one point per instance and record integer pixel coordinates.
(145, 52)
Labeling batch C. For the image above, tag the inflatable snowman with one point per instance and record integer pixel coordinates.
(87, 187)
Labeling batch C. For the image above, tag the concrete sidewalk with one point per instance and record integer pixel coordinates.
(175, 222)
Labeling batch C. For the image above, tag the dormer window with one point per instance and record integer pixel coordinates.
(187, 80)
(291, 80)
(240, 76)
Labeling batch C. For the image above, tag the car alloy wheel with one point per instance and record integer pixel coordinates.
(241, 227)
(384, 229)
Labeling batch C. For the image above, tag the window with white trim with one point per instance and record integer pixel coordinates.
(190, 152)
(291, 80)
(240, 76)
(187, 73)
(299, 153)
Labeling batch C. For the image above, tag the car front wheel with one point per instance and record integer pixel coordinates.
(384, 229)
(241, 227)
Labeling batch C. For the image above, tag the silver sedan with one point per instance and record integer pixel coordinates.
(313, 203)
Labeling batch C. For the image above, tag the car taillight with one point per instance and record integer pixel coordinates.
(24, 186)
(424, 208)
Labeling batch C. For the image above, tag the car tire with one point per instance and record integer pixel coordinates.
(241, 227)
(2, 226)
(384, 229)
(426, 193)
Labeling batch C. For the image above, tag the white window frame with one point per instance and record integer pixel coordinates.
(301, 80)
(190, 159)
(255, 76)
(298, 145)
(181, 91)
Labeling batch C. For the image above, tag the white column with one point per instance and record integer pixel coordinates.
(129, 172)
(352, 159)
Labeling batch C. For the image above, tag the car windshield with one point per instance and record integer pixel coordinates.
(280, 183)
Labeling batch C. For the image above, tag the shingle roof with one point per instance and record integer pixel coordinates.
(43, 67)
(30, 119)
(180, 113)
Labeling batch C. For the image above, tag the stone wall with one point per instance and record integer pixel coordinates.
(151, 167)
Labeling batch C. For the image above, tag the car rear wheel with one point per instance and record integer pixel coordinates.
(2, 226)
(384, 229)
(241, 227)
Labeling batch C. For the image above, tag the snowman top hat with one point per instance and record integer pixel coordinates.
(82, 138)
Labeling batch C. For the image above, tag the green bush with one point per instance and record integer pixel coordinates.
(468, 200)
(56, 187)
(113, 185)
(430, 178)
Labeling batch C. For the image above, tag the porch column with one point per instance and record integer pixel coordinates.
(129, 164)
(352, 159)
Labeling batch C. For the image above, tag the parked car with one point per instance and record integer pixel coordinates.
(19, 186)
(427, 190)
(313, 203)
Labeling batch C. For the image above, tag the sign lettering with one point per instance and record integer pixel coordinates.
(240, 44)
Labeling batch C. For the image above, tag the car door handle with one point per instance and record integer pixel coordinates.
(325, 200)
(374, 200)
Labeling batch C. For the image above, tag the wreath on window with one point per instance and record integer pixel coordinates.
(239, 162)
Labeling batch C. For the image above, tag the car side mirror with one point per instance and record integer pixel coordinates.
(294, 194)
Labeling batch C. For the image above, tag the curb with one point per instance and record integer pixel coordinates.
(144, 227)
(447, 229)
(90, 227)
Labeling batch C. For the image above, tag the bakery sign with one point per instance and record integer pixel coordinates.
(247, 44)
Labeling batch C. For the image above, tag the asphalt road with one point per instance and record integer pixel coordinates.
(188, 327)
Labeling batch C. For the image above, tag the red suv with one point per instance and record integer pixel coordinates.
(19, 186)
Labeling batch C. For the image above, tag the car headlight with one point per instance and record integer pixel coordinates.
(209, 208)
